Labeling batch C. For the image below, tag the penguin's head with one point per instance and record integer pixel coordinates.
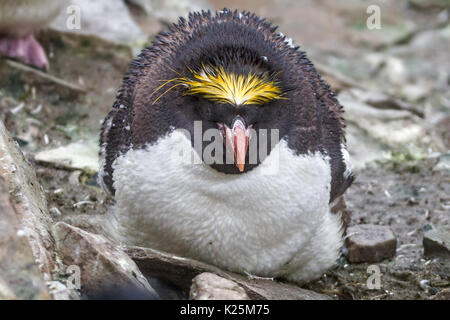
(234, 85)
(236, 98)
(231, 72)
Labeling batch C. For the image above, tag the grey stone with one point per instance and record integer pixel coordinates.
(436, 241)
(28, 201)
(209, 286)
(20, 277)
(59, 291)
(81, 155)
(105, 270)
(370, 243)
(179, 272)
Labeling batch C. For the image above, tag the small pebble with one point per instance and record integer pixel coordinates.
(424, 284)
(370, 243)
(436, 241)
(209, 286)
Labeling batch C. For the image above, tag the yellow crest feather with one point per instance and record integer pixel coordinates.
(215, 84)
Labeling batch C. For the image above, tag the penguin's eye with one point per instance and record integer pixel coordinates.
(218, 85)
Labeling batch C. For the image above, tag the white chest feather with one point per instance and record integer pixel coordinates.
(261, 222)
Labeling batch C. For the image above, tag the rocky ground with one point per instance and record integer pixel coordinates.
(393, 82)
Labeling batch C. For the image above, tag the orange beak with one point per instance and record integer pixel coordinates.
(240, 140)
(236, 141)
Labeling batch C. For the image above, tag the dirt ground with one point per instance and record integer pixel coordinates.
(403, 190)
(407, 202)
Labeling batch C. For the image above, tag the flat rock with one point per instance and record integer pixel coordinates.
(105, 270)
(209, 286)
(28, 202)
(370, 243)
(81, 155)
(436, 241)
(179, 272)
(20, 277)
